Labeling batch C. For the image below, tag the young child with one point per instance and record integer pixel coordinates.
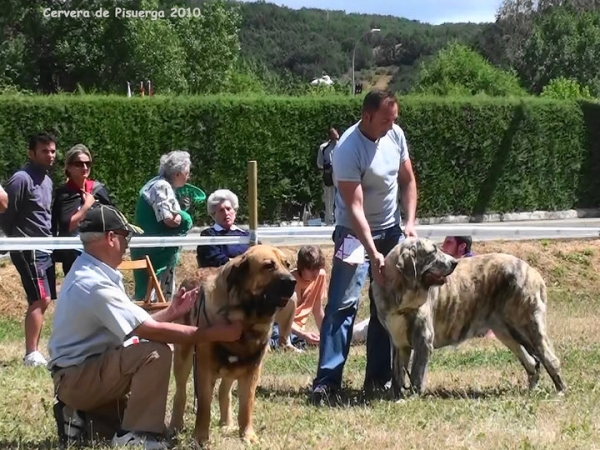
(289, 330)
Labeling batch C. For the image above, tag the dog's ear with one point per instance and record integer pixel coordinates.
(406, 263)
(283, 257)
(237, 273)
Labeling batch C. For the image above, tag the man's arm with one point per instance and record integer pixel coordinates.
(320, 156)
(124, 318)
(3, 200)
(16, 189)
(352, 194)
(176, 333)
(408, 186)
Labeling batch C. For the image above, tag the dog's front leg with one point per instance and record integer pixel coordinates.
(400, 361)
(182, 365)
(246, 391)
(422, 343)
(225, 402)
(205, 385)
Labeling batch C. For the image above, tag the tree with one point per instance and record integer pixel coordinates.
(564, 43)
(458, 70)
(211, 45)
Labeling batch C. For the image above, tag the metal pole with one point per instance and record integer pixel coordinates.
(253, 201)
(372, 30)
(353, 91)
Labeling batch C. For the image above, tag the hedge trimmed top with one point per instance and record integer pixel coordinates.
(470, 155)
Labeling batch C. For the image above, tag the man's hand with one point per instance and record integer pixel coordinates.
(182, 302)
(410, 230)
(377, 264)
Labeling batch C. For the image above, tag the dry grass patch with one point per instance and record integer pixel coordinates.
(475, 395)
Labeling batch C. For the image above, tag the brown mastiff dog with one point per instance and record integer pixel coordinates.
(250, 288)
(432, 302)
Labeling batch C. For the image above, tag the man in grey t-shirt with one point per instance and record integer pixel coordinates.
(370, 164)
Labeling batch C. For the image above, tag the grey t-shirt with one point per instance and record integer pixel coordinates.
(93, 313)
(29, 203)
(375, 165)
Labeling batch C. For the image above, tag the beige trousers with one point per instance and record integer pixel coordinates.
(329, 199)
(101, 385)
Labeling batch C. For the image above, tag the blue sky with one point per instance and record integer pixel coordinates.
(432, 11)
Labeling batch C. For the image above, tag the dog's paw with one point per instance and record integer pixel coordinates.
(250, 437)
(227, 427)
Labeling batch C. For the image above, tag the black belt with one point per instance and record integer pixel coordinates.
(54, 370)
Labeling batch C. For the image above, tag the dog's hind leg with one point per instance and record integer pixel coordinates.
(529, 362)
(543, 347)
(225, 402)
(182, 365)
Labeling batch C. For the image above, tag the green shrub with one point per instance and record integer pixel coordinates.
(562, 88)
(471, 155)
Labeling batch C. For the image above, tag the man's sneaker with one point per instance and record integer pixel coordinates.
(34, 359)
(70, 423)
(377, 389)
(148, 441)
(322, 395)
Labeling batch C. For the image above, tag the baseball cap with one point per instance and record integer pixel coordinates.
(102, 218)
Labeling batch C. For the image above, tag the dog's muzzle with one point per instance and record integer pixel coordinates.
(280, 290)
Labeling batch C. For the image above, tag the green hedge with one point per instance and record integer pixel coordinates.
(470, 155)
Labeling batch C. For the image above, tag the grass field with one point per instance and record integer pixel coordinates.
(475, 395)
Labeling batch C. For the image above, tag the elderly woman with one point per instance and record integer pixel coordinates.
(222, 206)
(159, 213)
(73, 199)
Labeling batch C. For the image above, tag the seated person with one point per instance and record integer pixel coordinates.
(311, 288)
(222, 206)
(458, 246)
(94, 371)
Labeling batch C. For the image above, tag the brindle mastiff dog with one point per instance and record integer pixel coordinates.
(430, 302)
(250, 288)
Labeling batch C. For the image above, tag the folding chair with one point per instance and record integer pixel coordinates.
(153, 283)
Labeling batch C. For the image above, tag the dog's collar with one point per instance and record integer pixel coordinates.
(228, 359)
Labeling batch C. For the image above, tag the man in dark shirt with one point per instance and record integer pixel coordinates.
(29, 215)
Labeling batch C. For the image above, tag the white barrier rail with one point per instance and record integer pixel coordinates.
(311, 235)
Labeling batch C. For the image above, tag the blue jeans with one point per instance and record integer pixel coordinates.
(345, 286)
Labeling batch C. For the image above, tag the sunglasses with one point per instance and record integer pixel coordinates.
(125, 234)
(81, 164)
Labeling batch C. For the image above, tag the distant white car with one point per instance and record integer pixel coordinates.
(325, 79)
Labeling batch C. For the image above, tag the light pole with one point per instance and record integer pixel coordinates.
(372, 30)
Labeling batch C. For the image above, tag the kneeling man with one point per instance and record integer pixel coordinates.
(92, 369)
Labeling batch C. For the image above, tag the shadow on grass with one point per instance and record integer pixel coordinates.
(355, 397)
(32, 445)
(469, 393)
